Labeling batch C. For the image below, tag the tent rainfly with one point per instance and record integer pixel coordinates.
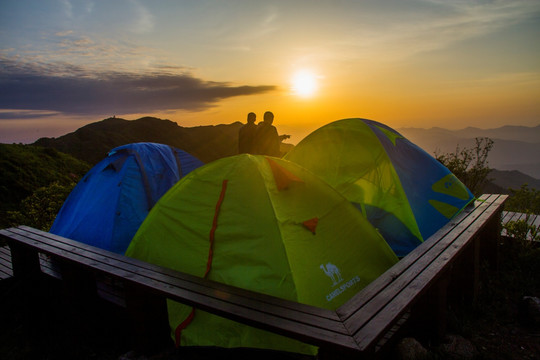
(402, 190)
(108, 205)
(263, 224)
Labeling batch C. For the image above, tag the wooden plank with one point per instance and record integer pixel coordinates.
(111, 290)
(510, 216)
(367, 335)
(5, 255)
(537, 221)
(199, 292)
(45, 263)
(5, 269)
(532, 220)
(520, 216)
(24, 261)
(121, 260)
(4, 250)
(394, 274)
(140, 267)
(48, 266)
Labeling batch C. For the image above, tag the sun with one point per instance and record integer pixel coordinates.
(304, 83)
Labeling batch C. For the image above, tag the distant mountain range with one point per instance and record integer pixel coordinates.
(515, 147)
(515, 154)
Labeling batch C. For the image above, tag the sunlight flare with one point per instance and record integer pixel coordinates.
(304, 83)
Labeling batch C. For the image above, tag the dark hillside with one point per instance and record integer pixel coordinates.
(513, 179)
(92, 142)
(25, 168)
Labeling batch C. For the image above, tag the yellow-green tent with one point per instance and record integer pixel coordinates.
(266, 225)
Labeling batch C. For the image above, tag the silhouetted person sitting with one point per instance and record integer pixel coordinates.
(267, 140)
(246, 135)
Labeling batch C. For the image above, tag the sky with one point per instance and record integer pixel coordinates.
(405, 63)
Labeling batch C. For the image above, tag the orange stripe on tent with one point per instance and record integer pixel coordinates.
(214, 227)
(182, 326)
(282, 176)
(187, 321)
(311, 224)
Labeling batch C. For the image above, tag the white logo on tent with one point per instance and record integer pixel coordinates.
(332, 271)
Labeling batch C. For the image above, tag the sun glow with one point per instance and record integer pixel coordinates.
(304, 83)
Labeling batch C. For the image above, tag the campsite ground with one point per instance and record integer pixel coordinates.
(38, 323)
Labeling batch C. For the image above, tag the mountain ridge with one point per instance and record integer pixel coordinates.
(92, 142)
(530, 134)
(514, 148)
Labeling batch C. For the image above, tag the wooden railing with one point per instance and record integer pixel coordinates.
(414, 290)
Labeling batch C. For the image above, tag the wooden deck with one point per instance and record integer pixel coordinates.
(533, 220)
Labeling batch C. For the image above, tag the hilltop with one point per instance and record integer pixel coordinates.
(92, 142)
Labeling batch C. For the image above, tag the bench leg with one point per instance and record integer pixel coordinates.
(466, 275)
(24, 261)
(490, 240)
(80, 292)
(29, 286)
(430, 313)
(149, 317)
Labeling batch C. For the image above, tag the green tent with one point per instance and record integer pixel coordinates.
(402, 190)
(266, 225)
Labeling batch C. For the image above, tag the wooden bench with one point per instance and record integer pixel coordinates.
(415, 289)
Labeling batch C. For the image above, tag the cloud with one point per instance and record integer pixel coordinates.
(68, 8)
(25, 114)
(143, 20)
(433, 25)
(71, 89)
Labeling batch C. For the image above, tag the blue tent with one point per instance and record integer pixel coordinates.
(108, 205)
(402, 190)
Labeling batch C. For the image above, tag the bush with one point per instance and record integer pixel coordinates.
(524, 200)
(39, 209)
(470, 165)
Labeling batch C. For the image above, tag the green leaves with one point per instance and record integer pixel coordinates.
(39, 209)
(470, 165)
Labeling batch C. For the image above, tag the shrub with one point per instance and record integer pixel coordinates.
(39, 209)
(470, 165)
(524, 200)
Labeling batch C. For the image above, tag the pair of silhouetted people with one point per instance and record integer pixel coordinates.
(260, 139)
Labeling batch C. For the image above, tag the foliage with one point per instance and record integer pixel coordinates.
(25, 168)
(524, 200)
(522, 230)
(39, 209)
(470, 165)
